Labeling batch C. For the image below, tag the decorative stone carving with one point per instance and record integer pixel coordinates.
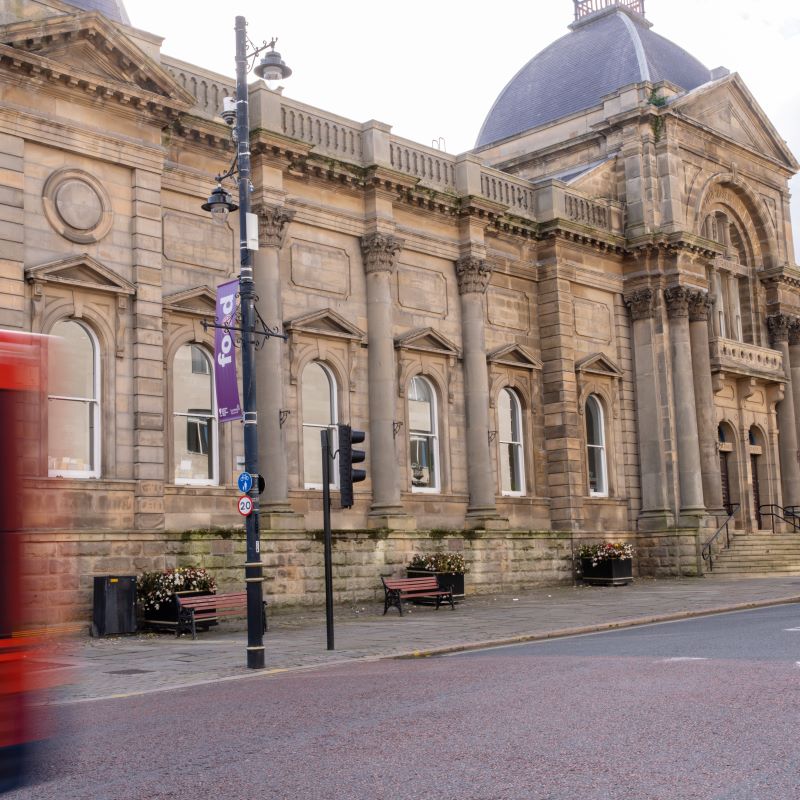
(779, 325)
(379, 251)
(677, 300)
(794, 332)
(272, 222)
(473, 274)
(699, 306)
(641, 304)
(77, 206)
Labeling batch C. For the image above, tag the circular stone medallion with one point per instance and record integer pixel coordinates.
(77, 206)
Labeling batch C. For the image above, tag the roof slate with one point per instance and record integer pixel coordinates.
(577, 70)
(112, 9)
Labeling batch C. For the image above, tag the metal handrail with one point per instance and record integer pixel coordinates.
(706, 551)
(789, 514)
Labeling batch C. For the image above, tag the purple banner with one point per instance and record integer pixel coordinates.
(228, 406)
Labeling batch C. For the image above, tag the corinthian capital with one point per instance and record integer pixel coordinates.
(779, 325)
(641, 304)
(473, 274)
(272, 222)
(677, 300)
(379, 251)
(794, 332)
(699, 306)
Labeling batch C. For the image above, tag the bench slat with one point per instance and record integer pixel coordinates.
(399, 589)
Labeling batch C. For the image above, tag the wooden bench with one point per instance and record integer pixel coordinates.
(399, 589)
(210, 607)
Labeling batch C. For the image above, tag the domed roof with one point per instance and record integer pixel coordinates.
(602, 53)
(112, 9)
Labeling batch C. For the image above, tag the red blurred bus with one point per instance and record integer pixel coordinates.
(22, 370)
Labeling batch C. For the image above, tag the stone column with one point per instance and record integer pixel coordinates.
(654, 481)
(699, 305)
(272, 463)
(779, 325)
(473, 278)
(685, 422)
(379, 251)
(794, 366)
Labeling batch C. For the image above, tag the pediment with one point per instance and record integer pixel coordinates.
(200, 300)
(80, 271)
(727, 107)
(514, 355)
(325, 322)
(88, 48)
(428, 340)
(598, 364)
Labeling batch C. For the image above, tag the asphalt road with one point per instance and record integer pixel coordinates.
(705, 708)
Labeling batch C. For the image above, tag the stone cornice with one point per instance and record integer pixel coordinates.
(473, 274)
(699, 306)
(787, 275)
(641, 304)
(379, 251)
(272, 224)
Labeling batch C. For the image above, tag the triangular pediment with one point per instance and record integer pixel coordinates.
(325, 322)
(514, 355)
(728, 108)
(199, 301)
(82, 271)
(85, 47)
(427, 339)
(598, 364)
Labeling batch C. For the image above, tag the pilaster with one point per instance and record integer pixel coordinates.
(149, 445)
(12, 237)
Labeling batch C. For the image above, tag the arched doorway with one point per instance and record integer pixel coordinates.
(757, 474)
(728, 471)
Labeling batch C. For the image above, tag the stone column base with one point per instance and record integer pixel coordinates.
(281, 519)
(656, 520)
(485, 520)
(392, 519)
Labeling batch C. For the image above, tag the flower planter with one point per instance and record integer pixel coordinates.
(167, 615)
(446, 580)
(611, 572)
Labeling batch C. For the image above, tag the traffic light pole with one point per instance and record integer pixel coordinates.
(326, 524)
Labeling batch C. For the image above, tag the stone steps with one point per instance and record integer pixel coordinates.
(759, 554)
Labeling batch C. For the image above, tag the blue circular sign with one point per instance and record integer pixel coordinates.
(245, 482)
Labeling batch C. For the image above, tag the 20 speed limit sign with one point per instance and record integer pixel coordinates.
(245, 506)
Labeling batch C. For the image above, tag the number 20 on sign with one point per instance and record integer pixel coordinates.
(245, 506)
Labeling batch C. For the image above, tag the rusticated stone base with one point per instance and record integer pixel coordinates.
(59, 567)
(670, 553)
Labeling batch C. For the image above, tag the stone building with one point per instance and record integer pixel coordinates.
(587, 327)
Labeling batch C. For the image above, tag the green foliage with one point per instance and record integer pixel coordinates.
(606, 551)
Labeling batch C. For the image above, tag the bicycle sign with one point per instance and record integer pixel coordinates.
(245, 506)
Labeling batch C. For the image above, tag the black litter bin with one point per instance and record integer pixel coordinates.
(114, 605)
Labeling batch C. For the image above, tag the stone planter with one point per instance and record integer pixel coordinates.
(613, 572)
(167, 615)
(446, 580)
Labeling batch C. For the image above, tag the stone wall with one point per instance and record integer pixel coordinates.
(59, 567)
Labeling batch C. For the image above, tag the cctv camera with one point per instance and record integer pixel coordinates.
(229, 110)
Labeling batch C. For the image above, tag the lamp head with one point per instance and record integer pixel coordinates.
(220, 204)
(272, 66)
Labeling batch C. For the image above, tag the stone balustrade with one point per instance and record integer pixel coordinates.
(330, 135)
(433, 167)
(731, 266)
(555, 200)
(750, 360)
(516, 193)
(207, 88)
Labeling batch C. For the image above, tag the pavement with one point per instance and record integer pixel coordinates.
(86, 670)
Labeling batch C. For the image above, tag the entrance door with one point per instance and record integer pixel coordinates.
(726, 486)
(756, 489)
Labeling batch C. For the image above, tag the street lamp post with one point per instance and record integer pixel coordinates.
(219, 204)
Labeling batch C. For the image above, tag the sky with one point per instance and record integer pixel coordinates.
(432, 70)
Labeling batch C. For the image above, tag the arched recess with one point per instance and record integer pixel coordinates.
(730, 467)
(731, 192)
(759, 474)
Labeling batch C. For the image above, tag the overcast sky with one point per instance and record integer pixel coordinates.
(433, 69)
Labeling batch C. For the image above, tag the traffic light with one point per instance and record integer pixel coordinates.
(347, 457)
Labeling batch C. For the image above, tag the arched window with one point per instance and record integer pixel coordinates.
(319, 413)
(423, 436)
(194, 417)
(596, 447)
(512, 468)
(73, 410)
